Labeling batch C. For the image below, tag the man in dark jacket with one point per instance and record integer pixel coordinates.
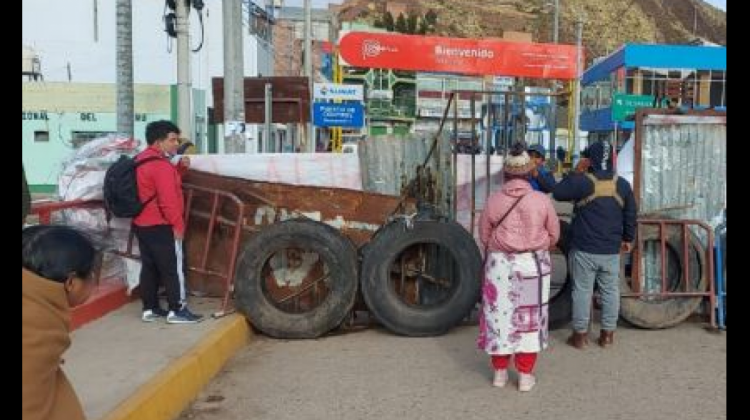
(603, 225)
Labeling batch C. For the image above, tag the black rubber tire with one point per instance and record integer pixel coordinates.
(665, 313)
(561, 303)
(334, 249)
(412, 320)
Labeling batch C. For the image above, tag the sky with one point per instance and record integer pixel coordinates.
(721, 4)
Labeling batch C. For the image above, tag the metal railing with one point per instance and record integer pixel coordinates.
(216, 198)
(686, 286)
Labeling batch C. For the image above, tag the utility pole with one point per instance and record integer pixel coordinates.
(695, 20)
(125, 106)
(234, 74)
(557, 21)
(309, 73)
(184, 97)
(552, 123)
(577, 92)
(269, 146)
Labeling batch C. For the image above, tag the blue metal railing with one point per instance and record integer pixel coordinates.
(721, 294)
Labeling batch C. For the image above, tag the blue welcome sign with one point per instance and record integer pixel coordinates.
(338, 115)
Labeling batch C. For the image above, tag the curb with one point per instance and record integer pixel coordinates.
(170, 391)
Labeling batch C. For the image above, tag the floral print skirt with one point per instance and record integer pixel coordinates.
(515, 297)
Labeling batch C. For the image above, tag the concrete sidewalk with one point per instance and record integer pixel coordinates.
(123, 368)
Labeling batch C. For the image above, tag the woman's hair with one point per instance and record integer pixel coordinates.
(509, 177)
(56, 252)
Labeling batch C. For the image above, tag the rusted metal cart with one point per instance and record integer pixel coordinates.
(294, 257)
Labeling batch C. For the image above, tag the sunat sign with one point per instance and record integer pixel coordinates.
(338, 91)
(458, 55)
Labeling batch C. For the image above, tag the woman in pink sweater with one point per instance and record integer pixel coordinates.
(517, 228)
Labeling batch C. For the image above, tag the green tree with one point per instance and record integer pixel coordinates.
(424, 27)
(411, 23)
(388, 22)
(401, 24)
(431, 17)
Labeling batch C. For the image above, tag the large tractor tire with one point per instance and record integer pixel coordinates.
(657, 312)
(296, 279)
(560, 298)
(421, 280)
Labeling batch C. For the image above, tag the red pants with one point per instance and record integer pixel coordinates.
(524, 362)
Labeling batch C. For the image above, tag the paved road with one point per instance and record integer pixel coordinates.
(679, 373)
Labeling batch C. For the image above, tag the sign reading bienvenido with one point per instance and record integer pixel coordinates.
(624, 105)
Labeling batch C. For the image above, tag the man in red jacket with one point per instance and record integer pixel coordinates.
(160, 227)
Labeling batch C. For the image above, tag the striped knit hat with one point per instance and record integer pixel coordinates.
(518, 161)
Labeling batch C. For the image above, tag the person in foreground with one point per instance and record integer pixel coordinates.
(517, 228)
(60, 268)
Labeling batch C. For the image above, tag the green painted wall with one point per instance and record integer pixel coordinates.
(43, 160)
(61, 109)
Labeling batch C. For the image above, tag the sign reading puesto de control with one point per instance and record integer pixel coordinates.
(459, 55)
(338, 115)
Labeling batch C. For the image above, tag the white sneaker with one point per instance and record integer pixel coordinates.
(526, 381)
(150, 316)
(501, 378)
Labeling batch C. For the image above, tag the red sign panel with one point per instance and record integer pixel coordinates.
(459, 55)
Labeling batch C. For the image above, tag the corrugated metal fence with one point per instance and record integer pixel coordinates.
(682, 165)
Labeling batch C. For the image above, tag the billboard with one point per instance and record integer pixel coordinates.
(290, 95)
(458, 55)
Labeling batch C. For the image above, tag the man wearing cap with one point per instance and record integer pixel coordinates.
(603, 225)
(541, 178)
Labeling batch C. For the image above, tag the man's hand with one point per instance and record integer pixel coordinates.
(185, 162)
(626, 247)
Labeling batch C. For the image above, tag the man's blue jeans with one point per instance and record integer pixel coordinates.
(585, 269)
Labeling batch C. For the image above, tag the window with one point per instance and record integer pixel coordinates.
(718, 88)
(41, 136)
(605, 96)
(597, 95)
(683, 87)
(703, 94)
(588, 98)
(647, 82)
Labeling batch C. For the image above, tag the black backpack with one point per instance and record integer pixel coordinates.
(121, 187)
